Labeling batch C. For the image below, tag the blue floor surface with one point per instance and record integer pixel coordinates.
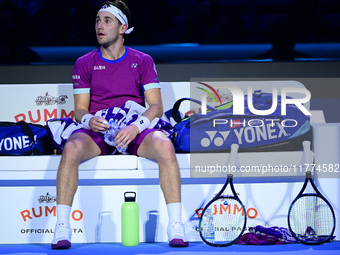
(200, 248)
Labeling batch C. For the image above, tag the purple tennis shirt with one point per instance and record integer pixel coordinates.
(113, 82)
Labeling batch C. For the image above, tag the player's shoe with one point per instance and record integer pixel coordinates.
(62, 237)
(176, 235)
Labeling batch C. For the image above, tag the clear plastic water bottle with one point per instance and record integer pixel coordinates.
(210, 232)
(130, 220)
(111, 132)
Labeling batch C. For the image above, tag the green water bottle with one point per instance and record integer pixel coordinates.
(130, 220)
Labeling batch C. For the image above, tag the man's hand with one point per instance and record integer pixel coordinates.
(97, 124)
(125, 136)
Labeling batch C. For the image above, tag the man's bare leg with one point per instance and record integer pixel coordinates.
(157, 146)
(79, 147)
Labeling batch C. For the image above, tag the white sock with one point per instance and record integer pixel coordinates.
(63, 214)
(175, 212)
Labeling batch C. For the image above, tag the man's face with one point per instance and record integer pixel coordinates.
(107, 28)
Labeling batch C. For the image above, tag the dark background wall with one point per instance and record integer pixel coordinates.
(50, 31)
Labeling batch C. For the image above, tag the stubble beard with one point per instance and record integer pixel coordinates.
(106, 42)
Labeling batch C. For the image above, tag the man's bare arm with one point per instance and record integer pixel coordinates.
(154, 99)
(81, 105)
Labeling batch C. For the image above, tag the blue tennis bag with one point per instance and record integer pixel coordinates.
(24, 139)
(217, 130)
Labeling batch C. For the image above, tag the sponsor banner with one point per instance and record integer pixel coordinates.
(36, 103)
(28, 214)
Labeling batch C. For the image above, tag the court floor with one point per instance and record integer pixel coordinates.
(197, 248)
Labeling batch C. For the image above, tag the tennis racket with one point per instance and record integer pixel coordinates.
(311, 218)
(223, 219)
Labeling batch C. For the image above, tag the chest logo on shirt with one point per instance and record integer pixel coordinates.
(99, 67)
(134, 65)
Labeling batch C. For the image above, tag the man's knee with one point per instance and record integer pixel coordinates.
(80, 147)
(165, 148)
(73, 146)
(157, 146)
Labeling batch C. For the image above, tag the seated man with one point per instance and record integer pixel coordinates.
(108, 77)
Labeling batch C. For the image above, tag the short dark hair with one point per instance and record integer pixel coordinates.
(121, 6)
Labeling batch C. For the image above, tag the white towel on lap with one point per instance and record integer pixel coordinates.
(62, 128)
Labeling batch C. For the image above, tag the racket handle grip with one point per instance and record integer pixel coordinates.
(233, 153)
(306, 151)
(234, 147)
(306, 145)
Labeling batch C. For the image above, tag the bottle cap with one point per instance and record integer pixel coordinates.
(130, 198)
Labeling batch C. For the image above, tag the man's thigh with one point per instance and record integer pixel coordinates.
(98, 139)
(154, 144)
(83, 145)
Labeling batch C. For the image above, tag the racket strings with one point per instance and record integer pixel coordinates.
(223, 221)
(311, 219)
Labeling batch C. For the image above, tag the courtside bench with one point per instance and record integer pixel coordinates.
(27, 183)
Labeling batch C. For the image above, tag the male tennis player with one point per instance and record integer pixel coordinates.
(108, 77)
